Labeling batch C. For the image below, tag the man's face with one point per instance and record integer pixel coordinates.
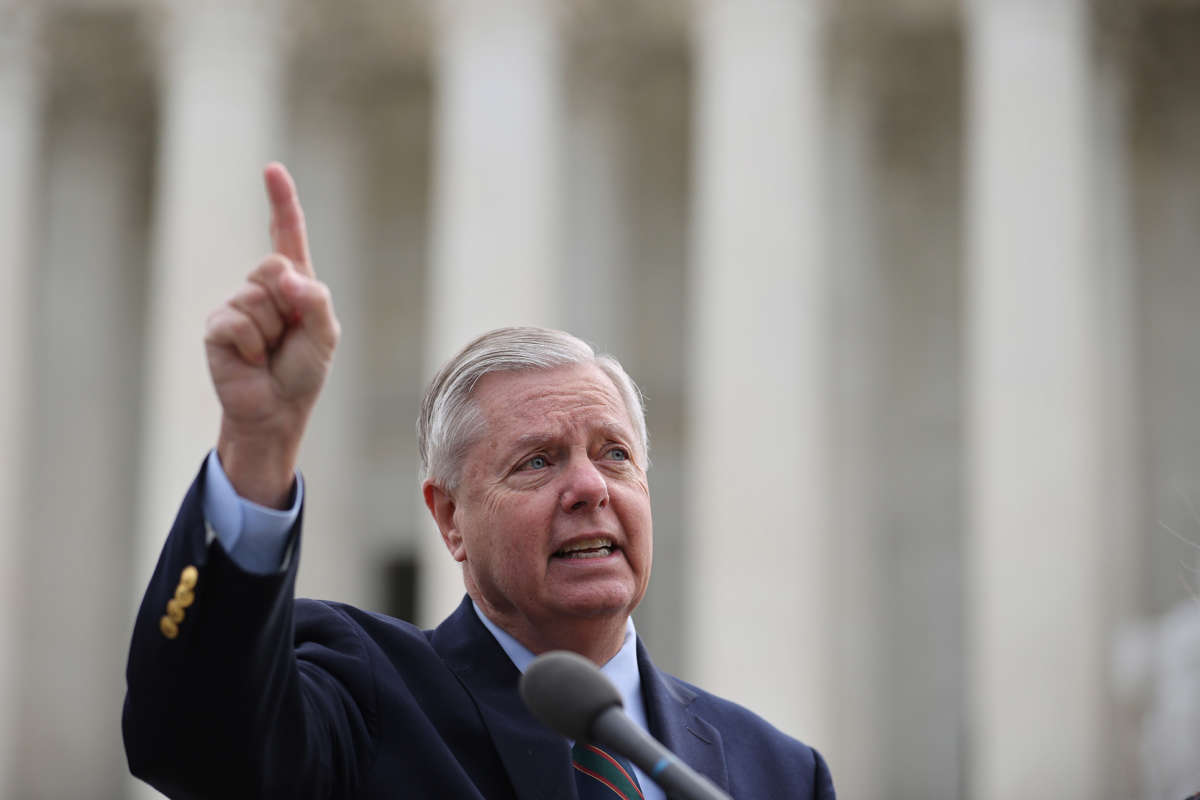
(551, 518)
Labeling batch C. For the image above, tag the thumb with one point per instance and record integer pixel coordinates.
(312, 308)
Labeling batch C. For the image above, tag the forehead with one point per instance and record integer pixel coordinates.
(529, 401)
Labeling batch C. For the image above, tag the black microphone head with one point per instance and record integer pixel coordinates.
(567, 692)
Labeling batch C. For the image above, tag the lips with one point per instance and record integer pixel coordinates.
(595, 547)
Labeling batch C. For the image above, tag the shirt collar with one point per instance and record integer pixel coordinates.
(621, 669)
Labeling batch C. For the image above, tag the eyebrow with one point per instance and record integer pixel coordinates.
(608, 430)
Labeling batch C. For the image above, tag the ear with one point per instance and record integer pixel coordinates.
(442, 507)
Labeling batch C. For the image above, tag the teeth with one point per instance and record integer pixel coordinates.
(588, 544)
(597, 547)
(599, 553)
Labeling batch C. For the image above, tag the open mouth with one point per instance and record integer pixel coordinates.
(587, 548)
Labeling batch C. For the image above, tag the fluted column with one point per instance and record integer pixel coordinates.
(86, 315)
(20, 105)
(497, 197)
(220, 85)
(1038, 426)
(760, 508)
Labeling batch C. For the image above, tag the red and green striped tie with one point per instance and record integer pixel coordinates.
(601, 775)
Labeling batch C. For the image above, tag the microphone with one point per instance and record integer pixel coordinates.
(571, 695)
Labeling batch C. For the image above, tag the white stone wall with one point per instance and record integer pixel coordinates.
(911, 289)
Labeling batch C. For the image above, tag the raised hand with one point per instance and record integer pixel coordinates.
(270, 347)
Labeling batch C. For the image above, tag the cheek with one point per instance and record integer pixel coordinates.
(647, 533)
(516, 532)
(639, 526)
(491, 505)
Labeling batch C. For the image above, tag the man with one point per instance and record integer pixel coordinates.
(535, 456)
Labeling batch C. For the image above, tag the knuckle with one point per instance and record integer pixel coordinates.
(220, 320)
(272, 264)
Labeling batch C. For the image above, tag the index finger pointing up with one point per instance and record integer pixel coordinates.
(288, 235)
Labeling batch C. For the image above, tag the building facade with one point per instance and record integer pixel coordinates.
(910, 288)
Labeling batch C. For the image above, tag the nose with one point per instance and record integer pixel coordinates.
(584, 487)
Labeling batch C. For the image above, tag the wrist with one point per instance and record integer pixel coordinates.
(262, 469)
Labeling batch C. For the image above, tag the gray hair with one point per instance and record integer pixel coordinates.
(450, 421)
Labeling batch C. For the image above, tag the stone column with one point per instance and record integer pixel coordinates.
(497, 199)
(20, 107)
(1038, 428)
(85, 369)
(761, 622)
(220, 119)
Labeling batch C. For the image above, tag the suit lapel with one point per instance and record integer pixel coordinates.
(697, 743)
(536, 758)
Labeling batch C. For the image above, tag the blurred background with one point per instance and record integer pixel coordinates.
(910, 287)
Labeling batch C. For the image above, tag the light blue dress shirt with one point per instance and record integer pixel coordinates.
(254, 536)
(256, 539)
(622, 670)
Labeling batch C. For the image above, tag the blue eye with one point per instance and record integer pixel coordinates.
(537, 462)
(618, 454)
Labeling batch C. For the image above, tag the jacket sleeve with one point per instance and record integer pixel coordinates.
(218, 703)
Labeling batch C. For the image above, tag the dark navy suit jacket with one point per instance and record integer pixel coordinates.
(254, 694)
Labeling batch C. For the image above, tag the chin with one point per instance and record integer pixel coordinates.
(598, 602)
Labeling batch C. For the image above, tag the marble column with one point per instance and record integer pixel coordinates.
(761, 608)
(220, 123)
(20, 108)
(1037, 424)
(497, 199)
(86, 319)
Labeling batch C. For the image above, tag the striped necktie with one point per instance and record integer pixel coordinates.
(601, 775)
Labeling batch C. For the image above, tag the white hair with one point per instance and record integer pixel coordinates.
(450, 420)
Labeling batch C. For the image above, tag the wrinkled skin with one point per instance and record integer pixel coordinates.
(558, 466)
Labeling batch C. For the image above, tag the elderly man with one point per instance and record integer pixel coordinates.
(535, 457)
